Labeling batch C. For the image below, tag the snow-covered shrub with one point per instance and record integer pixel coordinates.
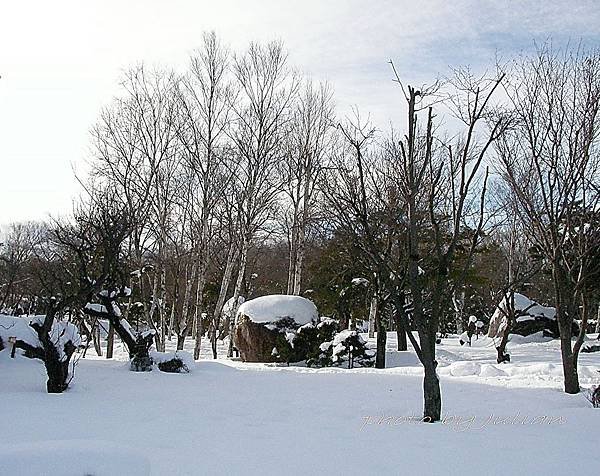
(588, 349)
(285, 343)
(347, 348)
(593, 396)
(177, 362)
(320, 344)
(297, 344)
(313, 336)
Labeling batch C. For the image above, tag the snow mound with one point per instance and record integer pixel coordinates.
(489, 370)
(343, 335)
(537, 337)
(267, 309)
(160, 357)
(464, 369)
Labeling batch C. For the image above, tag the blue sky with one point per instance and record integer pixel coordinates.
(60, 62)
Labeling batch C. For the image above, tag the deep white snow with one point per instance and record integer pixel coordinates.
(229, 418)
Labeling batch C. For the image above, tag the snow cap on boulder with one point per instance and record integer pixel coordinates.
(271, 308)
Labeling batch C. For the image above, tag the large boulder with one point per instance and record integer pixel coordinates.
(265, 324)
(255, 342)
(531, 318)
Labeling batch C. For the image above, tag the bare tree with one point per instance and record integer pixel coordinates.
(552, 168)
(444, 178)
(207, 95)
(514, 244)
(362, 201)
(16, 250)
(267, 89)
(137, 152)
(307, 142)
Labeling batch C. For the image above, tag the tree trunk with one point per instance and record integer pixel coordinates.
(110, 343)
(171, 321)
(433, 396)
(153, 310)
(300, 250)
(400, 333)
(231, 320)
(292, 257)
(180, 341)
(231, 255)
(565, 310)
(56, 368)
(568, 363)
(183, 326)
(381, 342)
(372, 313)
(510, 317)
(58, 374)
(96, 339)
(162, 308)
(502, 356)
(198, 314)
(459, 305)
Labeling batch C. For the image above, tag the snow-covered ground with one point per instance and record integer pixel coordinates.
(227, 417)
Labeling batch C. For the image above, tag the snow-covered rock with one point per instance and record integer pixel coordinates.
(531, 318)
(275, 321)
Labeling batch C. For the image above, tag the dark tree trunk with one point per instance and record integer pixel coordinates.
(138, 345)
(58, 375)
(511, 318)
(433, 396)
(199, 333)
(502, 355)
(381, 342)
(213, 341)
(110, 343)
(96, 339)
(565, 310)
(400, 333)
(180, 341)
(57, 369)
(568, 361)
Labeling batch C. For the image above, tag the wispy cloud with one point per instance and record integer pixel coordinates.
(60, 61)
